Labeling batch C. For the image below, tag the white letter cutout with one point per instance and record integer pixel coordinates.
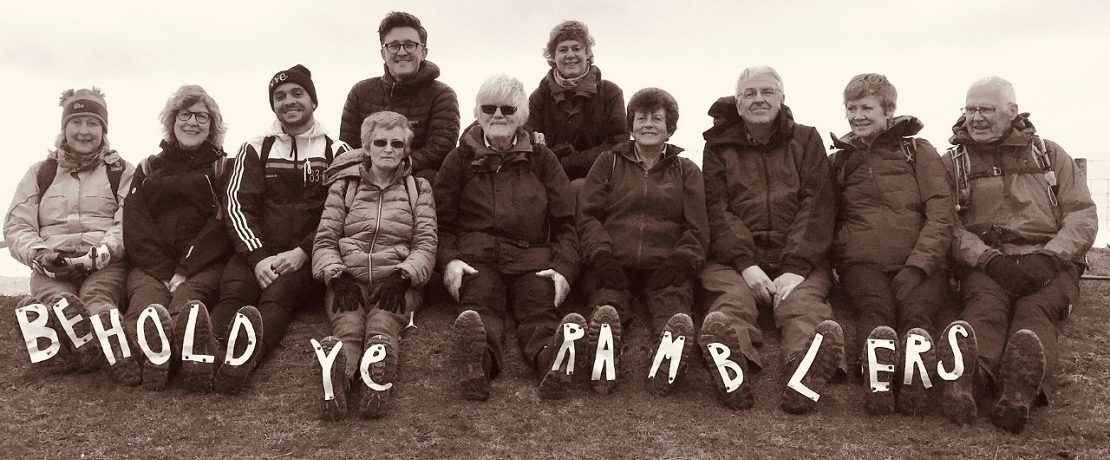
(67, 324)
(957, 355)
(374, 354)
(241, 323)
(670, 349)
(326, 360)
(604, 360)
(720, 354)
(875, 367)
(571, 332)
(915, 346)
(187, 341)
(159, 358)
(34, 330)
(803, 368)
(105, 336)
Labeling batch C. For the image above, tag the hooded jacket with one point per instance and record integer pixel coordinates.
(891, 212)
(578, 124)
(275, 207)
(171, 219)
(769, 204)
(76, 212)
(644, 216)
(1012, 213)
(431, 107)
(513, 210)
(368, 231)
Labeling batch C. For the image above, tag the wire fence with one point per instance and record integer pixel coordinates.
(1098, 181)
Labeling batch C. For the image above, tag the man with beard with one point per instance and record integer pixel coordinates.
(275, 196)
(1026, 221)
(408, 87)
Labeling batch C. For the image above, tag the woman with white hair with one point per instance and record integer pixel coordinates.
(375, 248)
(578, 113)
(172, 226)
(65, 223)
(507, 242)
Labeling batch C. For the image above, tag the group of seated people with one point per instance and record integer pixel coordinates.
(545, 194)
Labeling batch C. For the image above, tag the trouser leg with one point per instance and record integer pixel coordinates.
(729, 294)
(485, 293)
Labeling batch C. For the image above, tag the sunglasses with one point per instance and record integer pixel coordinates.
(395, 144)
(490, 109)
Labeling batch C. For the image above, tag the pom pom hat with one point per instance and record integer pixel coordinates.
(76, 103)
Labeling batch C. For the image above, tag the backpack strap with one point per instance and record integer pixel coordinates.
(267, 144)
(45, 175)
(961, 165)
(1040, 154)
(909, 149)
(328, 154)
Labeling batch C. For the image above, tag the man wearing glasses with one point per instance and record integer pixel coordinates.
(1026, 221)
(408, 87)
(770, 200)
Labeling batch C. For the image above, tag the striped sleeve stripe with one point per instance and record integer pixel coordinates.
(234, 210)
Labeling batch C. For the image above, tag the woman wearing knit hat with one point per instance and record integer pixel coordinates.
(172, 226)
(65, 223)
(573, 111)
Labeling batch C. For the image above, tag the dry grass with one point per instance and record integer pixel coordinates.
(69, 416)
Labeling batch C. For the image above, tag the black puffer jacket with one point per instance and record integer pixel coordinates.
(431, 107)
(171, 215)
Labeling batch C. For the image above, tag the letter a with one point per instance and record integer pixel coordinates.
(34, 330)
(604, 360)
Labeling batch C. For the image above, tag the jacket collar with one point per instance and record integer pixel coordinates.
(1021, 133)
(586, 88)
(900, 126)
(354, 163)
(427, 72)
(474, 139)
(627, 150)
(729, 129)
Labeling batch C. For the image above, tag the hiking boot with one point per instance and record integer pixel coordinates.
(232, 376)
(333, 409)
(604, 315)
(197, 376)
(825, 363)
(126, 371)
(471, 350)
(88, 356)
(679, 327)
(558, 375)
(62, 360)
(375, 401)
(156, 376)
(958, 400)
(1022, 370)
(913, 396)
(715, 330)
(879, 394)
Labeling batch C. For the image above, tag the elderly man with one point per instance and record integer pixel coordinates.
(408, 87)
(770, 200)
(1026, 221)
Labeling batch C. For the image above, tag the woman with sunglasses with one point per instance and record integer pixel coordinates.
(173, 229)
(506, 219)
(375, 248)
(576, 113)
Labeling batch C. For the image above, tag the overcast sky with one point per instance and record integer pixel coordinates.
(1055, 53)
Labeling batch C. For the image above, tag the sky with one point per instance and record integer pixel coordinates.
(1057, 54)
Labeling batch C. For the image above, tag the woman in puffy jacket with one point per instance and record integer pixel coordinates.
(172, 226)
(375, 248)
(65, 223)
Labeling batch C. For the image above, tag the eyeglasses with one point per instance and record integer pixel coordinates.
(766, 92)
(395, 144)
(202, 117)
(394, 47)
(984, 110)
(490, 109)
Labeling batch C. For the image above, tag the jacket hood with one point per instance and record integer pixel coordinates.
(1020, 132)
(628, 151)
(900, 126)
(204, 152)
(351, 164)
(729, 129)
(586, 88)
(427, 72)
(316, 130)
(472, 138)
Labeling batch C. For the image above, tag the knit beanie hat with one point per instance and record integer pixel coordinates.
(83, 101)
(298, 74)
(568, 30)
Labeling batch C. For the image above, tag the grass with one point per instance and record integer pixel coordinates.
(71, 416)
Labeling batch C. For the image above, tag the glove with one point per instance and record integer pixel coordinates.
(1041, 267)
(906, 281)
(672, 272)
(54, 265)
(610, 272)
(389, 293)
(347, 296)
(1006, 271)
(98, 257)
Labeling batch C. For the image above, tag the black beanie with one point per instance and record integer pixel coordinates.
(298, 74)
